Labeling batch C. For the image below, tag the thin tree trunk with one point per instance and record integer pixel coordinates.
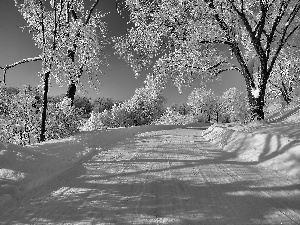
(285, 94)
(45, 102)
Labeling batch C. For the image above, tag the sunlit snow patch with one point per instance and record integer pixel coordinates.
(11, 174)
(255, 92)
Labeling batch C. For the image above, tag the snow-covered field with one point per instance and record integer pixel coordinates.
(273, 145)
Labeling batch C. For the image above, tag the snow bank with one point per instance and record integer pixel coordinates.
(288, 114)
(266, 147)
(25, 168)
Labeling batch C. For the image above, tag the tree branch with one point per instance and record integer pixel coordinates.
(275, 85)
(228, 69)
(282, 9)
(254, 38)
(213, 67)
(5, 68)
(260, 26)
(283, 38)
(91, 11)
(245, 70)
(37, 58)
(293, 14)
(215, 42)
(291, 33)
(271, 3)
(221, 22)
(244, 19)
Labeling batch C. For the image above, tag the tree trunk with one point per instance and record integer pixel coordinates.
(256, 104)
(72, 87)
(257, 110)
(45, 102)
(285, 94)
(71, 92)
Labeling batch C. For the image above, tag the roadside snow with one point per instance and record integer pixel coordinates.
(275, 146)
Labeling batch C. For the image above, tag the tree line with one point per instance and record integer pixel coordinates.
(87, 104)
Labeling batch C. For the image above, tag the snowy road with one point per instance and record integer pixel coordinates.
(161, 177)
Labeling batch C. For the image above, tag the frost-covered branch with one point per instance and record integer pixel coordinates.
(7, 67)
(91, 11)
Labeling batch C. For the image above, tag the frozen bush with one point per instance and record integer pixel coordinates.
(143, 108)
(23, 118)
(172, 117)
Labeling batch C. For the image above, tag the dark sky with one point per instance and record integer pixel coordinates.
(118, 82)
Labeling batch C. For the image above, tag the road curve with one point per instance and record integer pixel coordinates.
(161, 177)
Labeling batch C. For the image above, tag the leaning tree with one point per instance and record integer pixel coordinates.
(68, 36)
(187, 39)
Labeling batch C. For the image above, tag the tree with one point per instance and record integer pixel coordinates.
(174, 107)
(12, 90)
(172, 117)
(188, 39)
(59, 38)
(89, 53)
(83, 103)
(145, 106)
(22, 115)
(285, 82)
(233, 106)
(204, 103)
(6, 93)
(184, 109)
(55, 99)
(101, 103)
(84, 48)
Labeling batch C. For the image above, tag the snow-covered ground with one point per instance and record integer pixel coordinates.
(274, 145)
(24, 168)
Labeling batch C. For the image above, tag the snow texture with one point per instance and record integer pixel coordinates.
(272, 145)
(255, 92)
(25, 168)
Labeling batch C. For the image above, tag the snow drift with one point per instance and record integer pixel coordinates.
(273, 146)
